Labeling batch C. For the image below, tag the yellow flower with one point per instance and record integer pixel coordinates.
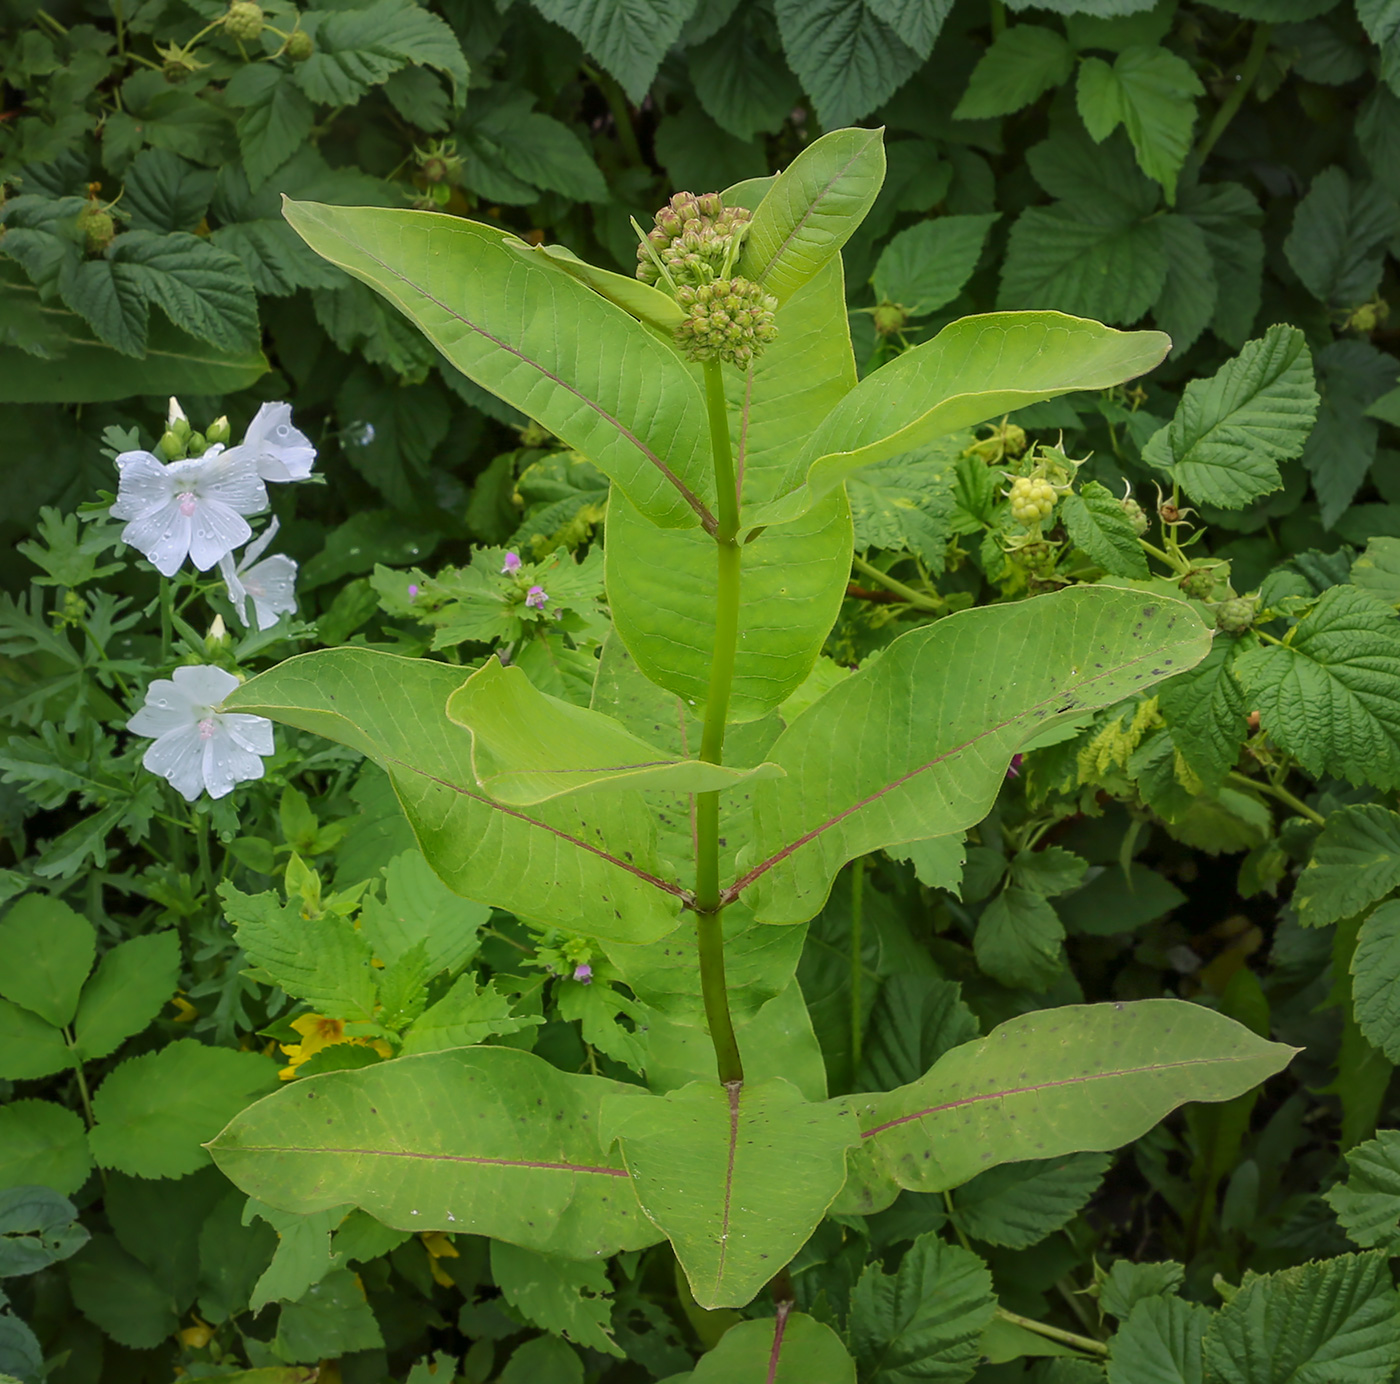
(318, 1032)
(198, 1335)
(439, 1247)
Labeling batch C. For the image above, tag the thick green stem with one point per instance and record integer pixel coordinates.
(1282, 794)
(1054, 1333)
(1229, 108)
(915, 598)
(709, 926)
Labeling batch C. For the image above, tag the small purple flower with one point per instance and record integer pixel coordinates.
(412, 591)
(583, 973)
(1013, 770)
(535, 598)
(511, 565)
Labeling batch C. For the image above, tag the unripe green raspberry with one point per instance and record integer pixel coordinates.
(244, 20)
(300, 45)
(98, 228)
(890, 319)
(1136, 516)
(1237, 615)
(729, 319)
(1033, 500)
(1198, 584)
(692, 238)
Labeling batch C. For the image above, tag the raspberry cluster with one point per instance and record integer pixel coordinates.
(1236, 615)
(244, 20)
(692, 238)
(1032, 500)
(729, 319)
(1137, 517)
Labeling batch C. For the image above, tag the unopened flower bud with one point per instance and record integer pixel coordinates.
(244, 20)
(511, 565)
(890, 319)
(583, 973)
(172, 444)
(219, 430)
(729, 319)
(217, 639)
(196, 444)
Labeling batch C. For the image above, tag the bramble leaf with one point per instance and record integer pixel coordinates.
(1023, 63)
(1368, 1202)
(1355, 861)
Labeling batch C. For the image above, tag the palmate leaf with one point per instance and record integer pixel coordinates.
(529, 748)
(1023, 62)
(629, 37)
(791, 1349)
(976, 368)
(549, 863)
(1082, 1078)
(1355, 861)
(1160, 1343)
(917, 744)
(539, 339)
(488, 1141)
(1368, 1202)
(736, 1176)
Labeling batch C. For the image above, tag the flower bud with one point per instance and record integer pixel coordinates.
(196, 444)
(218, 430)
(694, 238)
(729, 319)
(172, 444)
(217, 640)
(244, 20)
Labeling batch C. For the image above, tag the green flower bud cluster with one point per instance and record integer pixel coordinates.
(890, 319)
(97, 226)
(299, 45)
(244, 20)
(693, 237)
(1033, 500)
(1237, 614)
(729, 319)
(1136, 515)
(1204, 583)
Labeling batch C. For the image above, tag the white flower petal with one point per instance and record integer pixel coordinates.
(272, 585)
(163, 536)
(144, 484)
(217, 530)
(231, 478)
(178, 758)
(259, 545)
(225, 762)
(283, 453)
(205, 684)
(253, 733)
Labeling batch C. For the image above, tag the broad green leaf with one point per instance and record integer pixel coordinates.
(917, 22)
(303, 1256)
(572, 1300)
(1126, 1284)
(323, 960)
(154, 1112)
(1023, 63)
(1230, 431)
(907, 502)
(46, 952)
(1368, 1202)
(813, 206)
(1113, 902)
(465, 1016)
(30, 1047)
(1351, 376)
(629, 37)
(1340, 231)
(1354, 862)
(1375, 969)
(543, 1360)
(131, 985)
(987, 681)
(1018, 1204)
(1205, 709)
(543, 342)
(925, 1321)
(1191, 291)
(1084, 1078)
(360, 48)
(1327, 695)
(1381, 20)
(39, 1228)
(159, 1221)
(744, 86)
(542, 864)
(926, 266)
(419, 908)
(736, 1176)
(1160, 1343)
(914, 1021)
(642, 301)
(1228, 216)
(1099, 527)
(486, 1141)
(1152, 93)
(790, 1349)
(277, 117)
(793, 581)
(1018, 940)
(1334, 1321)
(974, 369)
(528, 748)
(334, 1316)
(42, 1143)
(119, 1293)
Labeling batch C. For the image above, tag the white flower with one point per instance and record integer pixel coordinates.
(281, 452)
(174, 414)
(191, 508)
(197, 746)
(270, 584)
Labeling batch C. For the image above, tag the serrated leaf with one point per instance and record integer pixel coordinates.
(1368, 1202)
(1191, 292)
(1340, 231)
(1206, 713)
(37, 1228)
(1334, 1321)
(1152, 93)
(1327, 695)
(847, 58)
(1160, 1343)
(791, 1349)
(131, 985)
(1023, 63)
(42, 1143)
(1381, 20)
(1018, 939)
(1098, 525)
(1229, 432)
(488, 1141)
(1018, 1204)
(274, 125)
(419, 907)
(1229, 217)
(30, 1047)
(629, 37)
(360, 48)
(164, 193)
(744, 87)
(907, 503)
(984, 1104)
(323, 960)
(1375, 969)
(736, 1176)
(572, 1300)
(119, 1293)
(914, 1021)
(1354, 862)
(1126, 1284)
(926, 266)
(46, 952)
(925, 1321)
(1351, 376)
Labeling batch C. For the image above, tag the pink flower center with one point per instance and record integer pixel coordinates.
(206, 728)
(188, 504)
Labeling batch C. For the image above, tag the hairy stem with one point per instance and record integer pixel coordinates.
(1229, 108)
(1282, 794)
(709, 911)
